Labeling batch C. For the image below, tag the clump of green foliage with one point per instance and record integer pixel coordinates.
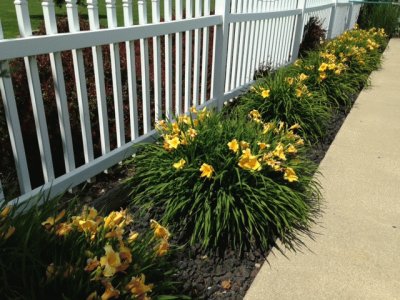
(228, 181)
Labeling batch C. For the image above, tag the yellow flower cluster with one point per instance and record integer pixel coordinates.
(268, 152)
(298, 83)
(263, 92)
(6, 231)
(183, 130)
(116, 257)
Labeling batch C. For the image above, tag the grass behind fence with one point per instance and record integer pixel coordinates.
(10, 26)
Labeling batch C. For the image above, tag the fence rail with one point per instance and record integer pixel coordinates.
(184, 55)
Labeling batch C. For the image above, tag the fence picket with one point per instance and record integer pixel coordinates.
(116, 75)
(79, 71)
(241, 46)
(144, 64)
(157, 62)
(178, 61)
(59, 86)
(94, 24)
(131, 67)
(14, 127)
(204, 72)
(230, 50)
(168, 61)
(236, 43)
(197, 56)
(21, 7)
(188, 58)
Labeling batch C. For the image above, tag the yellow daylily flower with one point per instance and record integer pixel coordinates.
(279, 152)
(290, 175)
(299, 92)
(159, 231)
(207, 170)
(5, 212)
(162, 125)
(249, 162)
(303, 77)
(137, 287)
(63, 229)
(244, 145)
(193, 110)
(323, 67)
(6, 235)
(268, 127)
(133, 237)
(192, 132)
(289, 80)
(291, 149)
(91, 264)
(233, 145)
(275, 165)
(265, 93)
(110, 291)
(175, 128)
(180, 164)
(173, 143)
(300, 142)
(263, 146)
(295, 126)
(322, 76)
(162, 248)
(255, 114)
(110, 262)
(50, 221)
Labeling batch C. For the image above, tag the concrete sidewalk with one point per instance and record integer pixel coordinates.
(356, 252)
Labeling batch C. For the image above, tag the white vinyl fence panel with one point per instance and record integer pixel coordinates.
(188, 53)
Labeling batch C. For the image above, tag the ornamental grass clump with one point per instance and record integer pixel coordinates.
(287, 98)
(227, 181)
(46, 253)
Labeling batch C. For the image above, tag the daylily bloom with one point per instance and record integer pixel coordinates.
(323, 67)
(110, 291)
(303, 77)
(137, 287)
(162, 248)
(50, 221)
(5, 212)
(268, 127)
(91, 264)
(279, 152)
(262, 146)
(290, 80)
(180, 164)
(161, 125)
(173, 143)
(295, 126)
(8, 234)
(265, 93)
(110, 262)
(192, 132)
(233, 145)
(159, 231)
(193, 110)
(207, 170)
(63, 229)
(290, 175)
(291, 149)
(300, 142)
(249, 162)
(244, 145)
(133, 237)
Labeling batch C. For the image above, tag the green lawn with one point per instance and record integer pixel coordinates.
(9, 20)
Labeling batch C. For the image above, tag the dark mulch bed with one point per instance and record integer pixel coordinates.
(205, 275)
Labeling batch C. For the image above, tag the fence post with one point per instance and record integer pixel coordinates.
(298, 33)
(222, 8)
(332, 20)
(349, 16)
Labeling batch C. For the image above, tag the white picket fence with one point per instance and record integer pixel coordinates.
(247, 34)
